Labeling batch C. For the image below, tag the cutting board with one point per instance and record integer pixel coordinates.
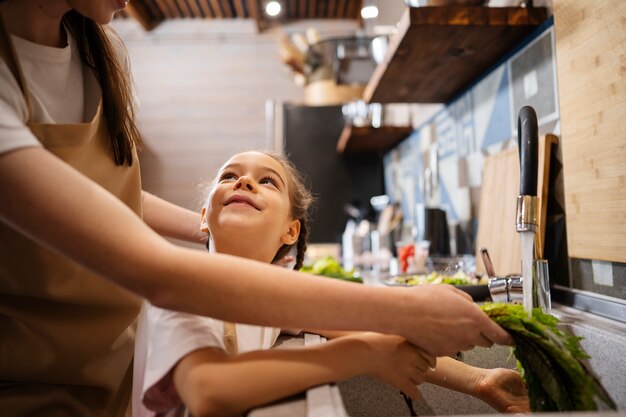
(498, 199)
(591, 63)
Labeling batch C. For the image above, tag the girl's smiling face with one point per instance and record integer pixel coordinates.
(249, 210)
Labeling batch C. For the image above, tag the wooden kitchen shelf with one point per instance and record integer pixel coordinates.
(369, 139)
(438, 51)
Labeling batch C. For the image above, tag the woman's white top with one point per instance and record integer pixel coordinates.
(164, 337)
(61, 91)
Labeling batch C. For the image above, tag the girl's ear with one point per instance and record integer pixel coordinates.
(204, 225)
(292, 234)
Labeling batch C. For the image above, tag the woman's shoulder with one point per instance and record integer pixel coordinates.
(14, 133)
(10, 93)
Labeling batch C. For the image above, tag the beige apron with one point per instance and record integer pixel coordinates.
(66, 334)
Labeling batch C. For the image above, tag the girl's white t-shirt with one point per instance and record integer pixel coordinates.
(164, 337)
(62, 91)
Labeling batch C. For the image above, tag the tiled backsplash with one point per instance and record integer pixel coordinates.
(441, 163)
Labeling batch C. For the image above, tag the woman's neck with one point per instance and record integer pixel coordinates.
(38, 21)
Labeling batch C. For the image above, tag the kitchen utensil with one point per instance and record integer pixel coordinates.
(436, 231)
(487, 262)
(384, 220)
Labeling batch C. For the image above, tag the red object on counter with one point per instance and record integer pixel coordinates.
(405, 252)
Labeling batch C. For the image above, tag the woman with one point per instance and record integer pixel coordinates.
(80, 244)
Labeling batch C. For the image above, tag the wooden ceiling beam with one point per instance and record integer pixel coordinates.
(341, 9)
(165, 9)
(240, 9)
(150, 13)
(351, 8)
(331, 9)
(301, 9)
(320, 13)
(184, 8)
(217, 10)
(172, 9)
(141, 15)
(254, 8)
(228, 13)
(195, 10)
(206, 10)
(154, 10)
(287, 6)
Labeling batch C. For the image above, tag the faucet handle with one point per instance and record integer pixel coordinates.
(516, 289)
(506, 290)
(498, 289)
(528, 143)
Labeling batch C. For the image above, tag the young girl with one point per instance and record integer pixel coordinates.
(257, 209)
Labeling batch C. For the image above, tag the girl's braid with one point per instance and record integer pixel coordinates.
(301, 248)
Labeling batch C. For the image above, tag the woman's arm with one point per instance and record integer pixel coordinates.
(212, 383)
(170, 220)
(55, 205)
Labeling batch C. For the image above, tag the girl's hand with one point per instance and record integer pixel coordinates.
(396, 361)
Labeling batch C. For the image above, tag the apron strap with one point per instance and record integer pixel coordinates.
(8, 55)
(230, 338)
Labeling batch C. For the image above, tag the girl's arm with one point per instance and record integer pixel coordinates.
(55, 205)
(501, 388)
(170, 220)
(212, 383)
(448, 373)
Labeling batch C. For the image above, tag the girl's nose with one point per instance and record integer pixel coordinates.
(244, 182)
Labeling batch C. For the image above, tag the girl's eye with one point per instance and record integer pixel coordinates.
(269, 180)
(228, 176)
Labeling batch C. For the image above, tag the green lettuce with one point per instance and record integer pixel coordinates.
(551, 361)
(330, 267)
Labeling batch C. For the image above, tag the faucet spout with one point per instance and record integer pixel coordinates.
(532, 288)
(535, 278)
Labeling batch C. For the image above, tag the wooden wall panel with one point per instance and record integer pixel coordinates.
(591, 59)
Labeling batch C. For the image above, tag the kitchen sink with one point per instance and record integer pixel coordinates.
(604, 340)
(363, 396)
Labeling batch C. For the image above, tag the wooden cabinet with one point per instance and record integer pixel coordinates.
(438, 51)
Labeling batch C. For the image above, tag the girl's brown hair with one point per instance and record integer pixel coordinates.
(301, 200)
(96, 45)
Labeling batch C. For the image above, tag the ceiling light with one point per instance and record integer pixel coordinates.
(369, 12)
(273, 8)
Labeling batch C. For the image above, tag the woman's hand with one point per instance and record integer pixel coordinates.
(395, 360)
(445, 320)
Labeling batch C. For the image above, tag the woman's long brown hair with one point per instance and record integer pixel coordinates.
(98, 52)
